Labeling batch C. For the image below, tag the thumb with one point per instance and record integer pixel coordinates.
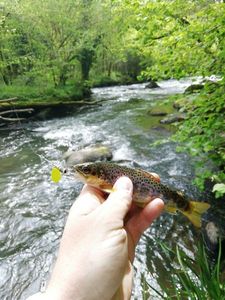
(88, 200)
(119, 201)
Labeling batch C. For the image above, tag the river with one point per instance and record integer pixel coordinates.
(33, 209)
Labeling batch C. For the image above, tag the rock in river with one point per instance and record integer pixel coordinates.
(194, 88)
(152, 85)
(156, 113)
(88, 154)
(173, 118)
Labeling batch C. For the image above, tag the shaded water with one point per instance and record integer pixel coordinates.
(33, 209)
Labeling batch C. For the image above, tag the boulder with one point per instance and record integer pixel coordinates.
(173, 118)
(152, 85)
(211, 86)
(88, 154)
(177, 105)
(194, 88)
(157, 113)
(212, 236)
(181, 104)
(213, 223)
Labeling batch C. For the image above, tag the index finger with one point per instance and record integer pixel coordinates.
(142, 219)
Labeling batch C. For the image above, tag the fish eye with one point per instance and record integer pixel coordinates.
(85, 169)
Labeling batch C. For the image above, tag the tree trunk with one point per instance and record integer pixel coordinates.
(109, 69)
(5, 73)
(86, 60)
(6, 79)
(62, 79)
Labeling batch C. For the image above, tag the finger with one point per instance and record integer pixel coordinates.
(157, 178)
(88, 200)
(143, 218)
(119, 201)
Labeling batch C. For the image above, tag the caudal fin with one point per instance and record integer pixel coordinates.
(195, 212)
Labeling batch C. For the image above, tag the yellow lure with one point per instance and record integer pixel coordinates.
(56, 174)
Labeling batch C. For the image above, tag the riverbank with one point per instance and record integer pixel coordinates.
(25, 102)
(32, 103)
(22, 103)
(44, 93)
(44, 96)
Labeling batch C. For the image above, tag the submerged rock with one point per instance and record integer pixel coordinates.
(180, 104)
(152, 85)
(88, 154)
(135, 100)
(157, 113)
(173, 118)
(183, 104)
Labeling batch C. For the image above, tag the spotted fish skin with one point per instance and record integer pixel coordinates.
(146, 187)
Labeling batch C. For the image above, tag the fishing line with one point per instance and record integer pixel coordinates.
(57, 169)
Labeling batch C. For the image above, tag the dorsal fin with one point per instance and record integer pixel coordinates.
(149, 175)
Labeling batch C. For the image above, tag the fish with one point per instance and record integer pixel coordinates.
(146, 187)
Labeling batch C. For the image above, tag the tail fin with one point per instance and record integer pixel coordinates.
(195, 212)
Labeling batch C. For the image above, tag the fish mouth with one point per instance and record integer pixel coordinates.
(79, 172)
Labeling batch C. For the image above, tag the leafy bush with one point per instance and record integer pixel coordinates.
(203, 134)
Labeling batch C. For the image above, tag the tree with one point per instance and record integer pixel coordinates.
(7, 55)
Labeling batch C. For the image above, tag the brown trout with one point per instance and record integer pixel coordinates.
(146, 187)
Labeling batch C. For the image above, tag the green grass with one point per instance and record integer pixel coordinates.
(190, 278)
(42, 94)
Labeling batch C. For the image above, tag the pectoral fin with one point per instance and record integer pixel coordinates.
(140, 204)
(104, 186)
(171, 208)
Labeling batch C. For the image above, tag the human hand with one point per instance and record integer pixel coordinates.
(98, 245)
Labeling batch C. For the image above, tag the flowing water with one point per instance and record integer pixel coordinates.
(33, 209)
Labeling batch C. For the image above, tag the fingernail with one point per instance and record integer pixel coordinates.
(124, 183)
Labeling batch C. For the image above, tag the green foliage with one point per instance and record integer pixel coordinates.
(183, 38)
(64, 42)
(202, 134)
(192, 278)
(67, 39)
(219, 189)
(180, 38)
